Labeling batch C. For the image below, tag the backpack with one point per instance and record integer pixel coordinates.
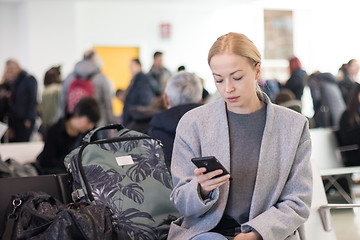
(127, 173)
(80, 87)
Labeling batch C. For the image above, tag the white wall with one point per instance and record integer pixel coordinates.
(12, 30)
(42, 33)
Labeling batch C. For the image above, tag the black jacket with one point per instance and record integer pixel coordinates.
(23, 101)
(163, 126)
(296, 83)
(346, 85)
(350, 135)
(139, 93)
(58, 144)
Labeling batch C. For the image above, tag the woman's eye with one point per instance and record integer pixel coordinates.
(237, 79)
(219, 80)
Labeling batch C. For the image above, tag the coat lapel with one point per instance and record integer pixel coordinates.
(265, 173)
(221, 146)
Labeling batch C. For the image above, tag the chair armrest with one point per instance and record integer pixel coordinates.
(325, 215)
(348, 148)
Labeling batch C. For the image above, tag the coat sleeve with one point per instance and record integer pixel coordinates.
(31, 101)
(106, 98)
(64, 93)
(186, 192)
(293, 207)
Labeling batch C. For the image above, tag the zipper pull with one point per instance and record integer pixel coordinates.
(13, 216)
(16, 203)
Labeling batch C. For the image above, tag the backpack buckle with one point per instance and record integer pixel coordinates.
(77, 195)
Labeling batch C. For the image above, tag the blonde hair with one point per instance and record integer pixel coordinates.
(10, 61)
(238, 44)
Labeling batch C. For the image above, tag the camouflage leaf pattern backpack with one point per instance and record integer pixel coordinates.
(127, 173)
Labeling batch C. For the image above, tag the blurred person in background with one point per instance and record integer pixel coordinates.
(66, 134)
(296, 82)
(22, 101)
(286, 98)
(50, 103)
(349, 130)
(183, 92)
(327, 99)
(348, 76)
(159, 74)
(139, 93)
(89, 67)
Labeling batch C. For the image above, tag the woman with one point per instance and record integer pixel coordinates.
(267, 146)
(349, 78)
(296, 82)
(50, 104)
(349, 130)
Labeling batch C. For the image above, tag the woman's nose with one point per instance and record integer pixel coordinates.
(229, 87)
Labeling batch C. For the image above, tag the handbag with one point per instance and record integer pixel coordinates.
(37, 215)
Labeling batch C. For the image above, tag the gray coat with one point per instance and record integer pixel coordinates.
(283, 188)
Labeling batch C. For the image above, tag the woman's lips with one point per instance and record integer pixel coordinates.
(232, 99)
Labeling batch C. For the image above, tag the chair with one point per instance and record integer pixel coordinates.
(23, 152)
(347, 151)
(326, 154)
(319, 224)
(57, 186)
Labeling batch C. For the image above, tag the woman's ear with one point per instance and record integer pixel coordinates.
(166, 101)
(258, 71)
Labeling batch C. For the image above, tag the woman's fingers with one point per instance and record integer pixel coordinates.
(199, 171)
(209, 181)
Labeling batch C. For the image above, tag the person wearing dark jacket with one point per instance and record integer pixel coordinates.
(66, 134)
(138, 93)
(296, 82)
(158, 74)
(349, 131)
(327, 99)
(349, 78)
(183, 92)
(22, 102)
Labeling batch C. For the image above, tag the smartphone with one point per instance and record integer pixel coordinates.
(211, 164)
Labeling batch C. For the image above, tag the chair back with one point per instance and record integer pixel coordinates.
(314, 227)
(325, 151)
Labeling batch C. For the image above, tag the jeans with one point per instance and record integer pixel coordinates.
(210, 235)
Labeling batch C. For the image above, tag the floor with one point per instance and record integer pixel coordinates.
(346, 222)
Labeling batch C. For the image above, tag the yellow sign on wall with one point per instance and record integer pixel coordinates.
(116, 62)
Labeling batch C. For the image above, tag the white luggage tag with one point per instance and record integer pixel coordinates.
(124, 160)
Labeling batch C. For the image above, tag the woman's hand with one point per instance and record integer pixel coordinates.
(207, 182)
(248, 236)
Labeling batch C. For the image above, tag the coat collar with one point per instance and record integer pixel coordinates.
(223, 138)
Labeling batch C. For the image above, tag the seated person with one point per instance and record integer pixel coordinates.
(349, 130)
(265, 147)
(66, 134)
(183, 92)
(286, 98)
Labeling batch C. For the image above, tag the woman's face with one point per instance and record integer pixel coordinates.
(235, 79)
